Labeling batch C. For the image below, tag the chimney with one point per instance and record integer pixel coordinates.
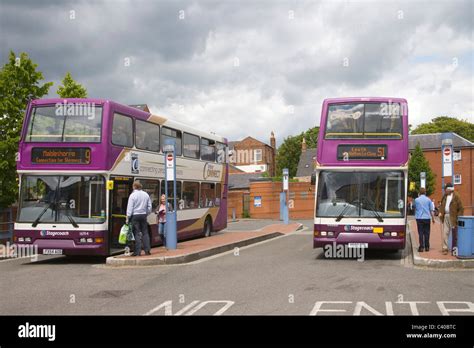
(303, 145)
(273, 145)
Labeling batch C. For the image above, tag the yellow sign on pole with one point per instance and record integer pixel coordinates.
(412, 186)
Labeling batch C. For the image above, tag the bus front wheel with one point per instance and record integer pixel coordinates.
(207, 227)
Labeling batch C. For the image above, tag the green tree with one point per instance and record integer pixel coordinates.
(289, 151)
(443, 124)
(71, 89)
(19, 83)
(417, 164)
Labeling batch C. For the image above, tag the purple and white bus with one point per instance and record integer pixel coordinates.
(78, 158)
(361, 173)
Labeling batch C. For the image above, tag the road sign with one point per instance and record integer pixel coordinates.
(423, 180)
(169, 166)
(169, 160)
(285, 179)
(447, 160)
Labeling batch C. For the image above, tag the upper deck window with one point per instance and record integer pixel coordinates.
(122, 130)
(364, 121)
(169, 133)
(208, 150)
(69, 122)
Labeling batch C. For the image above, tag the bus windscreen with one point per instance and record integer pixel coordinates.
(364, 121)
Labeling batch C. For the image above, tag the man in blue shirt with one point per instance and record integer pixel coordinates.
(423, 215)
(138, 208)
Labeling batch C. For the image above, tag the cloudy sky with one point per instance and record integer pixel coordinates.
(242, 68)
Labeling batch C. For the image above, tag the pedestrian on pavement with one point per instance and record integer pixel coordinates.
(138, 208)
(161, 212)
(451, 207)
(423, 215)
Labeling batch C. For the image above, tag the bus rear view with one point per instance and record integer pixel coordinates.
(361, 173)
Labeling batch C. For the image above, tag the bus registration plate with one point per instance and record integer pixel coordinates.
(358, 245)
(52, 251)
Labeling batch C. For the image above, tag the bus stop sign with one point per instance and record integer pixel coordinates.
(169, 167)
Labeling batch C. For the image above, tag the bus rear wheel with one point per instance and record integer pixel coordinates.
(207, 227)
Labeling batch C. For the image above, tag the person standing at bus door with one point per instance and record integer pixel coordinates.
(161, 212)
(423, 215)
(138, 208)
(449, 210)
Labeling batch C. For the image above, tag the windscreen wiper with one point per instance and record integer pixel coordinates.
(71, 220)
(341, 215)
(372, 209)
(35, 223)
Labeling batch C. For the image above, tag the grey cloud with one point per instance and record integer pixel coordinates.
(177, 61)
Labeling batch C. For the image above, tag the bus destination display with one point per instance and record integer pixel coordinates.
(70, 155)
(361, 152)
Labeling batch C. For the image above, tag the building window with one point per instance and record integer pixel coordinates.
(257, 155)
(457, 155)
(457, 179)
(147, 136)
(122, 131)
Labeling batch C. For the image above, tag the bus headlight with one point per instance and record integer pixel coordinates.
(323, 233)
(330, 234)
(99, 240)
(28, 239)
(82, 240)
(386, 234)
(394, 234)
(90, 240)
(21, 239)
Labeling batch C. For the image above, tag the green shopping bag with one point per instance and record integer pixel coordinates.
(123, 234)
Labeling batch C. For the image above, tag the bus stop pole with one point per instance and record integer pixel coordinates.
(286, 193)
(170, 174)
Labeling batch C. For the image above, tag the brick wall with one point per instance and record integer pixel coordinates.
(235, 201)
(465, 167)
(301, 193)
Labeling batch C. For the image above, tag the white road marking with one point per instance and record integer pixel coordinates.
(188, 309)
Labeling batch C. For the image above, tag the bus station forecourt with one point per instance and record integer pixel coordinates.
(79, 158)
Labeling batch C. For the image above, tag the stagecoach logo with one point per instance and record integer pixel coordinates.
(358, 228)
(210, 171)
(135, 165)
(45, 233)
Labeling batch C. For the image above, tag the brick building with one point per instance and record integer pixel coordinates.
(463, 157)
(253, 156)
(307, 163)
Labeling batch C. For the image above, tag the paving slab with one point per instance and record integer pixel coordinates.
(434, 257)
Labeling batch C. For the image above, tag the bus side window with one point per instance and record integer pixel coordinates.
(122, 130)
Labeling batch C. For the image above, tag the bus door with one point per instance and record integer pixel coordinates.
(118, 208)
